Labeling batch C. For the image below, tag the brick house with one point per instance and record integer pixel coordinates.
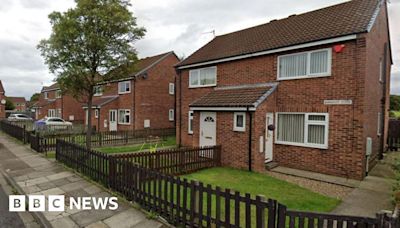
(53, 103)
(19, 103)
(2, 102)
(145, 99)
(310, 92)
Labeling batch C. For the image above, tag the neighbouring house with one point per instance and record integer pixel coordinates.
(310, 92)
(53, 103)
(19, 103)
(2, 102)
(143, 99)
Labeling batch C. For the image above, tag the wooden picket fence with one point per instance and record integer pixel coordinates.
(149, 180)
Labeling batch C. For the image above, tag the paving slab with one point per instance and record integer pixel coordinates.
(64, 222)
(125, 219)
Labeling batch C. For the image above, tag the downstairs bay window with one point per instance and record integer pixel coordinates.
(303, 129)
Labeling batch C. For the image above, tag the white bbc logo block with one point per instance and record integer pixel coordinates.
(16, 203)
(37, 202)
(56, 202)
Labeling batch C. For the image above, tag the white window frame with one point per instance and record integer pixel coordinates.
(58, 94)
(171, 88)
(308, 75)
(98, 91)
(126, 112)
(146, 123)
(96, 114)
(171, 115)
(190, 122)
(125, 83)
(306, 124)
(46, 95)
(381, 70)
(235, 127)
(191, 72)
(379, 126)
(51, 113)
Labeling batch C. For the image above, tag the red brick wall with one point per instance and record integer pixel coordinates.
(345, 155)
(2, 107)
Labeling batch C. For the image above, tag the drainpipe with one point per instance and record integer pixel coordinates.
(250, 137)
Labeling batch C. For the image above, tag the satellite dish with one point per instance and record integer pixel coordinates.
(3, 101)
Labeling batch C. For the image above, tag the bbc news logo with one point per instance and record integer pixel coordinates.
(54, 203)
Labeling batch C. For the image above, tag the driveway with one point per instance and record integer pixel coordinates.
(374, 193)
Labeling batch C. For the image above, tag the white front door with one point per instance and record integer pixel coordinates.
(208, 128)
(113, 120)
(269, 138)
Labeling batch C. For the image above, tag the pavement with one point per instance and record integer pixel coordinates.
(374, 194)
(33, 174)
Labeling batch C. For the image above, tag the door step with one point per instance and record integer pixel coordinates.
(271, 165)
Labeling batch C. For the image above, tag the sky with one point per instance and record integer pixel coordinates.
(179, 25)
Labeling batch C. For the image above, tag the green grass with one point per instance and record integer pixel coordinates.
(291, 195)
(396, 114)
(50, 154)
(168, 142)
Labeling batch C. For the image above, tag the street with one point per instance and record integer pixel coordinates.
(7, 219)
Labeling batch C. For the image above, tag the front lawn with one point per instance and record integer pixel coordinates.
(291, 195)
(167, 143)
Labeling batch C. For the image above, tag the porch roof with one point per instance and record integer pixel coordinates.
(100, 101)
(241, 96)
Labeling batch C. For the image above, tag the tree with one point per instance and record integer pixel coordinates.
(90, 44)
(34, 97)
(395, 102)
(9, 104)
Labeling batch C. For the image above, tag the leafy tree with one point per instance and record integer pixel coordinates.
(90, 44)
(9, 104)
(395, 102)
(35, 97)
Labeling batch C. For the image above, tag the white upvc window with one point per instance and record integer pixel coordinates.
(190, 122)
(147, 123)
(96, 113)
(310, 64)
(124, 87)
(303, 129)
(171, 88)
(59, 113)
(46, 95)
(239, 121)
(98, 91)
(381, 70)
(203, 77)
(379, 126)
(124, 116)
(58, 94)
(171, 115)
(51, 113)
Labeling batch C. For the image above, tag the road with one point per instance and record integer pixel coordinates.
(7, 219)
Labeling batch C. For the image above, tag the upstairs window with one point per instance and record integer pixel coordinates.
(46, 95)
(171, 88)
(305, 65)
(124, 87)
(98, 91)
(203, 77)
(58, 94)
(303, 129)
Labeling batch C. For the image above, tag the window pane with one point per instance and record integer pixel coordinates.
(316, 134)
(239, 121)
(316, 117)
(207, 76)
(291, 128)
(293, 65)
(194, 77)
(319, 62)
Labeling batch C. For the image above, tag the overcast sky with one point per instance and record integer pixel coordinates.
(179, 25)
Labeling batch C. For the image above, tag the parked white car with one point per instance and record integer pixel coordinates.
(19, 117)
(52, 123)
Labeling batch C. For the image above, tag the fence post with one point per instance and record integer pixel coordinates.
(272, 212)
(281, 216)
(24, 134)
(111, 172)
(195, 201)
(260, 211)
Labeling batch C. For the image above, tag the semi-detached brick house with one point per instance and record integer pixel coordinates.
(309, 91)
(19, 103)
(143, 99)
(53, 103)
(2, 102)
